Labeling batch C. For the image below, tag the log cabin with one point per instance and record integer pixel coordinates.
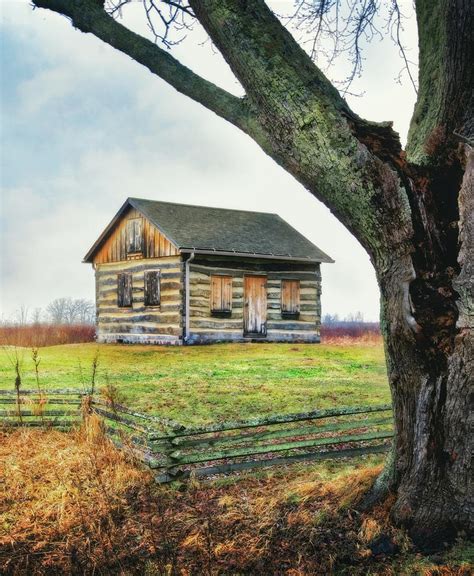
(171, 273)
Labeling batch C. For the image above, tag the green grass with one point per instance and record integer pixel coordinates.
(203, 384)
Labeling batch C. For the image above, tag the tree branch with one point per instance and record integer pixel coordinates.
(446, 81)
(89, 16)
(277, 74)
(345, 161)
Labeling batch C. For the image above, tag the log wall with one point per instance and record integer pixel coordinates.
(161, 324)
(206, 328)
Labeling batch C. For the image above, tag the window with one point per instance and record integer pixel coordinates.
(152, 288)
(290, 298)
(221, 295)
(134, 235)
(124, 290)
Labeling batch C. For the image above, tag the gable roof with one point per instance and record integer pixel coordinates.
(220, 230)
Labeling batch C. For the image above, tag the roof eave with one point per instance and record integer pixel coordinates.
(288, 257)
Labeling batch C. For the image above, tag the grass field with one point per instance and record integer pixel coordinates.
(220, 382)
(72, 503)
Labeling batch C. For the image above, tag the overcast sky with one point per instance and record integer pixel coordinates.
(84, 126)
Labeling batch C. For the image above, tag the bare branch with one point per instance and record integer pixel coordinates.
(179, 6)
(164, 17)
(396, 27)
(345, 26)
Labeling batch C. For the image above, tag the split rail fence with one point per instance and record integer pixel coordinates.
(175, 451)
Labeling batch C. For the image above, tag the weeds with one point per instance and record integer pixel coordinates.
(111, 394)
(348, 332)
(16, 360)
(95, 366)
(18, 386)
(42, 400)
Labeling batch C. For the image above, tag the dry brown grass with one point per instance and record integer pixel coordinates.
(346, 333)
(62, 495)
(366, 339)
(39, 335)
(72, 504)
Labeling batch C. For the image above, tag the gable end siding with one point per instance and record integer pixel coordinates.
(116, 248)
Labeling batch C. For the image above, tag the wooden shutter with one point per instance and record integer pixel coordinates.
(221, 295)
(152, 288)
(290, 298)
(124, 290)
(134, 235)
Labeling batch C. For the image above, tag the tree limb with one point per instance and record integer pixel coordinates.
(89, 16)
(345, 161)
(446, 81)
(276, 72)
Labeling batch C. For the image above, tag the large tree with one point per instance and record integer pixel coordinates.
(412, 210)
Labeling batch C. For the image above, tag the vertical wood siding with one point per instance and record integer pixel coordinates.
(124, 237)
(204, 327)
(140, 323)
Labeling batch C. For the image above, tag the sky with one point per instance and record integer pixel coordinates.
(83, 127)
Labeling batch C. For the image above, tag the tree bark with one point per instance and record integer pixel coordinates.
(412, 211)
(431, 467)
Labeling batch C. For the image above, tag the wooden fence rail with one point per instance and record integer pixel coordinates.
(176, 451)
(34, 408)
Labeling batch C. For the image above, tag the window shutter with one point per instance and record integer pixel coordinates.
(134, 235)
(152, 288)
(216, 289)
(221, 295)
(226, 298)
(124, 290)
(290, 298)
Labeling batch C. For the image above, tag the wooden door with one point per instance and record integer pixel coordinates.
(255, 305)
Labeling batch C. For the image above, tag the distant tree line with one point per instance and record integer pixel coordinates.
(65, 311)
(353, 318)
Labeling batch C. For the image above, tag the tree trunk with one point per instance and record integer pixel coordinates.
(433, 443)
(431, 465)
(429, 344)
